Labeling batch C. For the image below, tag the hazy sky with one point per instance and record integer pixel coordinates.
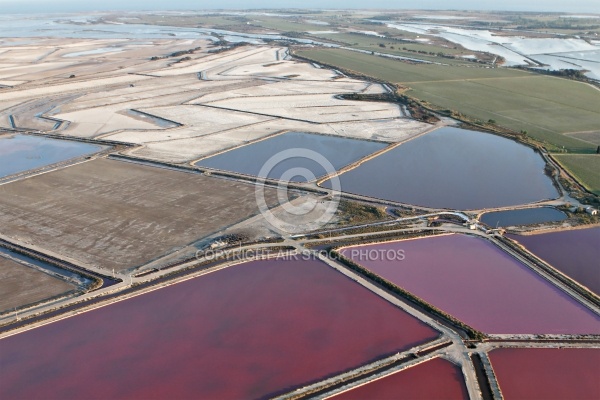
(14, 6)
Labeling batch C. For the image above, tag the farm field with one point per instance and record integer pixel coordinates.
(584, 167)
(401, 72)
(396, 47)
(371, 42)
(528, 103)
(287, 25)
(516, 99)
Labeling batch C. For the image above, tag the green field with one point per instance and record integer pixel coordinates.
(546, 107)
(360, 40)
(188, 20)
(585, 167)
(401, 72)
(287, 25)
(395, 47)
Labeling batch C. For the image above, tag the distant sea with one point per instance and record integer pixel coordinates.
(67, 6)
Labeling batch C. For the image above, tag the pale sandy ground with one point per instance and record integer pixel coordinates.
(25, 115)
(101, 120)
(92, 84)
(216, 101)
(292, 88)
(10, 83)
(314, 108)
(15, 70)
(105, 119)
(287, 69)
(4, 121)
(194, 148)
(241, 55)
(51, 60)
(197, 121)
(6, 105)
(393, 130)
(154, 88)
(27, 54)
(374, 89)
(182, 150)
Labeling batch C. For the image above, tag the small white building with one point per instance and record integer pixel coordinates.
(591, 211)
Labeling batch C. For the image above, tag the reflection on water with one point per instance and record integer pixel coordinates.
(478, 283)
(558, 373)
(250, 331)
(20, 153)
(250, 159)
(435, 379)
(527, 216)
(12, 26)
(454, 168)
(574, 252)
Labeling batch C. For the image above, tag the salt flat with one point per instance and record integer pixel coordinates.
(183, 150)
(117, 215)
(21, 285)
(214, 101)
(197, 121)
(240, 55)
(313, 108)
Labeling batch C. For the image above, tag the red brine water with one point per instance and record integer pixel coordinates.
(576, 253)
(435, 379)
(547, 373)
(478, 283)
(247, 331)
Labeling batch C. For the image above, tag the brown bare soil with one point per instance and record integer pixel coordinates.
(21, 285)
(117, 215)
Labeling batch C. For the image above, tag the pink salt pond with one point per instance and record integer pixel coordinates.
(478, 283)
(435, 379)
(547, 373)
(249, 331)
(576, 253)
